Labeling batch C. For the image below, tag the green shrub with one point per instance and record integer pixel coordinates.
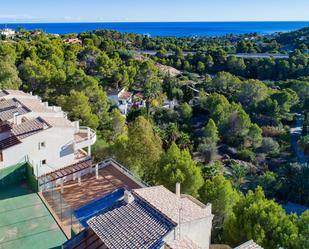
(246, 155)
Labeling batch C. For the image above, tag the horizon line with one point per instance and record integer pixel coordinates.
(63, 22)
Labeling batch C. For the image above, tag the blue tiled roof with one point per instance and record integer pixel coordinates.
(136, 226)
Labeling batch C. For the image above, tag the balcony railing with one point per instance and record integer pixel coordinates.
(84, 133)
(80, 154)
(84, 137)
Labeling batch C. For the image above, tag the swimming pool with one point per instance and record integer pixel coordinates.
(98, 206)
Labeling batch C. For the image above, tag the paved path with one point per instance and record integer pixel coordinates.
(296, 132)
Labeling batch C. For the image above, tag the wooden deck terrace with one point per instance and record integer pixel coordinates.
(90, 188)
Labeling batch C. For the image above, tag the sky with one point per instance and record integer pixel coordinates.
(152, 10)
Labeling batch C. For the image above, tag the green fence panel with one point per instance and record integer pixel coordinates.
(32, 180)
(13, 175)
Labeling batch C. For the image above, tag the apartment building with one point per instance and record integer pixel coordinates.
(42, 134)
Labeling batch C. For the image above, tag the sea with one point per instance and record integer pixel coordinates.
(177, 29)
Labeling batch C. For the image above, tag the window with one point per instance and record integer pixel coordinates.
(1, 156)
(43, 162)
(42, 145)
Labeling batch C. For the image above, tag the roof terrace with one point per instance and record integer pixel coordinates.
(91, 187)
(71, 188)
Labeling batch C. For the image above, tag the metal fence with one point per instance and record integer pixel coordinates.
(123, 169)
(63, 211)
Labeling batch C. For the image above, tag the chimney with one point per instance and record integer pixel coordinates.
(128, 197)
(15, 118)
(178, 189)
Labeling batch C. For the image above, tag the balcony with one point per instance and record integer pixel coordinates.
(80, 155)
(84, 137)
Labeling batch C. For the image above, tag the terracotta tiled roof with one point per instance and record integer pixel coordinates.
(72, 40)
(7, 103)
(249, 245)
(169, 204)
(8, 113)
(135, 226)
(28, 128)
(58, 122)
(182, 243)
(139, 95)
(3, 93)
(9, 142)
(34, 105)
(15, 92)
(125, 95)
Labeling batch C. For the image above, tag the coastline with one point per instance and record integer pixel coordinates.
(177, 29)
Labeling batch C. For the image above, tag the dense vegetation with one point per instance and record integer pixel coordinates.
(227, 139)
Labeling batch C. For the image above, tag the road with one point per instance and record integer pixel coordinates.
(261, 56)
(239, 55)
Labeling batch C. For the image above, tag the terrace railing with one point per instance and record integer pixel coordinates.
(91, 133)
(63, 211)
(123, 169)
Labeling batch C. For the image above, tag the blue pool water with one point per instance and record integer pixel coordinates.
(177, 29)
(98, 206)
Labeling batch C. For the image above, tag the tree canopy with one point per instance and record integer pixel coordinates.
(177, 166)
(264, 221)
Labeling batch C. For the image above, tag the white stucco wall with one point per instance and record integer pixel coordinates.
(59, 142)
(198, 231)
(169, 237)
(58, 151)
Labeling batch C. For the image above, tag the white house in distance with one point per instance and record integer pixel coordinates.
(121, 98)
(30, 128)
(7, 32)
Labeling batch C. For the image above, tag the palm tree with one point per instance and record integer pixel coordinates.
(238, 175)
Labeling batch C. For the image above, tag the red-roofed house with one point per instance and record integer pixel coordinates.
(72, 41)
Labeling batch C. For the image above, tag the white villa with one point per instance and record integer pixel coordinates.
(121, 98)
(125, 100)
(7, 32)
(31, 129)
